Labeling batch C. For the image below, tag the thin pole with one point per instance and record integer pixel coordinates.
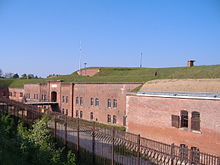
(141, 61)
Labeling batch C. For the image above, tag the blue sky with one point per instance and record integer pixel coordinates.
(43, 36)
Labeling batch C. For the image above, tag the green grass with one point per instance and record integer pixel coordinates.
(123, 74)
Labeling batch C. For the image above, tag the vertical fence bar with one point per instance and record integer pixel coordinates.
(113, 143)
(55, 129)
(172, 153)
(78, 137)
(93, 143)
(65, 131)
(138, 149)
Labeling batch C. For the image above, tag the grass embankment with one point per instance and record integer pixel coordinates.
(120, 74)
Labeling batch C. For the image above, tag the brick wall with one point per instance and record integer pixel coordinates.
(151, 117)
(16, 94)
(102, 92)
(88, 71)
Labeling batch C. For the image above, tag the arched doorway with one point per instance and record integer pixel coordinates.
(54, 96)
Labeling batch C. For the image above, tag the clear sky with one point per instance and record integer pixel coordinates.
(43, 36)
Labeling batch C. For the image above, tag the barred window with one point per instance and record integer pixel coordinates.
(91, 116)
(77, 113)
(81, 101)
(195, 121)
(124, 120)
(114, 119)
(77, 100)
(67, 99)
(108, 118)
(184, 119)
(109, 103)
(21, 94)
(92, 101)
(96, 102)
(81, 114)
(114, 103)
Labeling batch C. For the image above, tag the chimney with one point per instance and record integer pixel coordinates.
(190, 63)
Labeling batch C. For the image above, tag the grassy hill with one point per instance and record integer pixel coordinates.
(123, 74)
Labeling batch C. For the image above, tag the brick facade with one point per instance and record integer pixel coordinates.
(151, 117)
(109, 99)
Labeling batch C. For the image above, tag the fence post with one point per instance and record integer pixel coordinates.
(78, 137)
(172, 153)
(93, 143)
(55, 129)
(138, 149)
(218, 161)
(113, 143)
(65, 135)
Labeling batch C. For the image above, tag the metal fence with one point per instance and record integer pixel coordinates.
(99, 144)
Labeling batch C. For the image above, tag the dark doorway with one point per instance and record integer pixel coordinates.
(54, 96)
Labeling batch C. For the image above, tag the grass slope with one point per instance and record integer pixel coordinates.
(117, 74)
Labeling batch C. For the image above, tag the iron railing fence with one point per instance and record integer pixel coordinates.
(105, 145)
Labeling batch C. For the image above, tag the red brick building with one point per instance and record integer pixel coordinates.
(102, 102)
(179, 117)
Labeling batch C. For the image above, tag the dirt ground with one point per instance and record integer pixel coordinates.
(183, 85)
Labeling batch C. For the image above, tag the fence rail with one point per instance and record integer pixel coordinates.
(108, 145)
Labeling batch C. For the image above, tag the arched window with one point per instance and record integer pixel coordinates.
(92, 101)
(96, 102)
(109, 103)
(184, 119)
(114, 119)
(195, 121)
(53, 96)
(81, 114)
(114, 103)
(109, 118)
(77, 113)
(91, 116)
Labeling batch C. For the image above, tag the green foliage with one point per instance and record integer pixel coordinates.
(33, 146)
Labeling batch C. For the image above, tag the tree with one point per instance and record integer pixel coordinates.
(1, 73)
(16, 76)
(23, 76)
(30, 76)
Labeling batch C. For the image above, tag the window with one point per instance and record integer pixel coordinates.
(96, 102)
(45, 97)
(63, 111)
(92, 101)
(4, 93)
(81, 114)
(109, 103)
(77, 100)
(114, 119)
(14, 94)
(63, 99)
(67, 99)
(91, 116)
(67, 112)
(36, 96)
(195, 155)
(77, 113)
(175, 121)
(21, 94)
(124, 120)
(195, 121)
(28, 95)
(114, 103)
(109, 118)
(184, 119)
(10, 93)
(81, 101)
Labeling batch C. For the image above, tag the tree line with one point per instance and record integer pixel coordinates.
(16, 75)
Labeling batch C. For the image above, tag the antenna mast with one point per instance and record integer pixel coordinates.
(141, 61)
